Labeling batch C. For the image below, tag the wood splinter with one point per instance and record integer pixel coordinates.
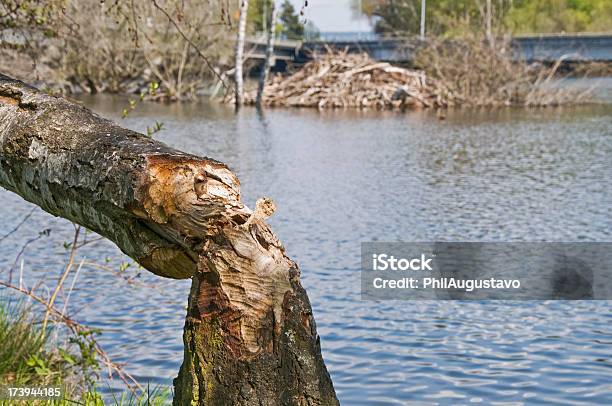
(264, 208)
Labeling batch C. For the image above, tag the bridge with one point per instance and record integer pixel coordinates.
(543, 48)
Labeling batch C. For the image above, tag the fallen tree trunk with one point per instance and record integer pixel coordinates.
(250, 337)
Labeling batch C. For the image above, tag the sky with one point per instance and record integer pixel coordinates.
(332, 15)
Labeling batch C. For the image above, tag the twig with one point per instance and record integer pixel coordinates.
(18, 226)
(76, 328)
(129, 280)
(197, 49)
(21, 274)
(84, 243)
(74, 279)
(23, 248)
(63, 277)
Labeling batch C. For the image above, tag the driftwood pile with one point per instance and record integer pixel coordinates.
(341, 80)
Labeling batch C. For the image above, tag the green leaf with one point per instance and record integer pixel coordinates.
(67, 357)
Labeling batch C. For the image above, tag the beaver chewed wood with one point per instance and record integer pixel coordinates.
(250, 337)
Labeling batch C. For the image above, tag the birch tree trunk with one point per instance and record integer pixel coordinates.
(488, 16)
(250, 337)
(263, 77)
(244, 8)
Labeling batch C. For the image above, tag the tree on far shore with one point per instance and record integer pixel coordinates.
(290, 20)
(456, 17)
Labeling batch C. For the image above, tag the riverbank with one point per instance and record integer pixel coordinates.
(468, 71)
(53, 363)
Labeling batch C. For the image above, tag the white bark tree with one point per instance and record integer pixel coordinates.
(269, 55)
(244, 8)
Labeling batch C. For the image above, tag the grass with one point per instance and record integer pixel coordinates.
(23, 359)
(30, 358)
(158, 396)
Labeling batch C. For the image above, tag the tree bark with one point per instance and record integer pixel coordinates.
(244, 8)
(250, 337)
(269, 56)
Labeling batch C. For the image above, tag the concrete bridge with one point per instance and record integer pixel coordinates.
(543, 48)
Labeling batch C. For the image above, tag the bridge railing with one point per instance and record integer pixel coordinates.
(349, 36)
(571, 47)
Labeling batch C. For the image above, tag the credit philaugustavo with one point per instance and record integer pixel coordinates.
(446, 283)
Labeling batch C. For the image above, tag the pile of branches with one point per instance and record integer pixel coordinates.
(340, 80)
(489, 72)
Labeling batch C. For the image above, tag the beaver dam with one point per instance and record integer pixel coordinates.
(337, 80)
(343, 80)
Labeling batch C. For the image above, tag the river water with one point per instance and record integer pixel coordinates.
(341, 178)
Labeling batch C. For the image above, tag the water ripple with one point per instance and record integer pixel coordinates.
(340, 178)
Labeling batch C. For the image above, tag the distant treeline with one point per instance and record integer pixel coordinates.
(454, 17)
(177, 46)
(289, 24)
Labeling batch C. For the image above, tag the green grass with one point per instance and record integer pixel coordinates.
(23, 359)
(27, 357)
(158, 396)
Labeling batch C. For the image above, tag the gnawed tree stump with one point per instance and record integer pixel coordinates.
(250, 337)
